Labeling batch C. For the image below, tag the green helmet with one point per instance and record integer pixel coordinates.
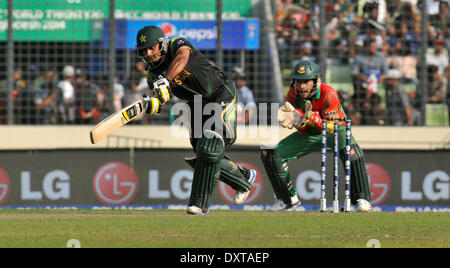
(305, 70)
(148, 37)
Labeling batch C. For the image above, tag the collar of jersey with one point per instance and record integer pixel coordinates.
(316, 95)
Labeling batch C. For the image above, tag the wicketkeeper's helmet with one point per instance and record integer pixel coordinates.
(148, 37)
(307, 70)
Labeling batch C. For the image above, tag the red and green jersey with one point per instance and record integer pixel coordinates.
(325, 104)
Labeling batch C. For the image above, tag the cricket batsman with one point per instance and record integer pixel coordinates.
(308, 102)
(176, 67)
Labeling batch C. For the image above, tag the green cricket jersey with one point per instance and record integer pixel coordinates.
(200, 76)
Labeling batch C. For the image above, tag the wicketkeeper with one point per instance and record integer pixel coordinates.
(175, 67)
(308, 102)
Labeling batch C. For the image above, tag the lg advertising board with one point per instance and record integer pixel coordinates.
(399, 180)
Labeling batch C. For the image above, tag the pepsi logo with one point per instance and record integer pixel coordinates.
(168, 29)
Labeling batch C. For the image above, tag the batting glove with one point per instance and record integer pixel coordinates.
(152, 105)
(161, 90)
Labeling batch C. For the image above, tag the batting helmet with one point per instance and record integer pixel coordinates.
(148, 37)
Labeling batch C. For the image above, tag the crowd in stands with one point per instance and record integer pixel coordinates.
(381, 42)
(70, 96)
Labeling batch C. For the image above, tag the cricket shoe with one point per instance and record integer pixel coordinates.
(194, 210)
(279, 205)
(363, 205)
(240, 196)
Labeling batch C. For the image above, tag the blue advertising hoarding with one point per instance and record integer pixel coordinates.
(237, 34)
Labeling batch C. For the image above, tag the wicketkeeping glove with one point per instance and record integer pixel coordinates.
(152, 105)
(290, 117)
(161, 90)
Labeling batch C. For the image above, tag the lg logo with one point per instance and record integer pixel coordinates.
(115, 183)
(4, 186)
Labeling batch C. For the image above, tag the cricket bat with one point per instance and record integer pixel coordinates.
(116, 120)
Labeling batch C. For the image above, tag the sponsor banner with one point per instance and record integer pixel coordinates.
(217, 207)
(237, 34)
(5, 186)
(73, 20)
(157, 177)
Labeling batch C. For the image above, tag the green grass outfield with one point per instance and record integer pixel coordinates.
(222, 229)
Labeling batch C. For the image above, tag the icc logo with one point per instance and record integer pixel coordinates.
(115, 183)
(4, 186)
(227, 193)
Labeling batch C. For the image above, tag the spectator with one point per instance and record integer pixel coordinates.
(373, 30)
(437, 85)
(433, 11)
(236, 72)
(333, 20)
(303, 35)
(25, 107)
(444, 16)
(283, 8)
(67, 104)
(138, 87)
(366, 107)
(370, 67)
(119, 93)
(19, 94)
(292, 31)
(447, 37)
(398, 106)
(246, 106)
(374, 14)
(410, 39)
(447, 75)
(103, 97)
(349, 10)
(3, 97)
(343, 47)
(437, 57)
(407, 14)
(402, 55)
(392, 8)
(305, 53)
(45, 98)
(86, 99)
